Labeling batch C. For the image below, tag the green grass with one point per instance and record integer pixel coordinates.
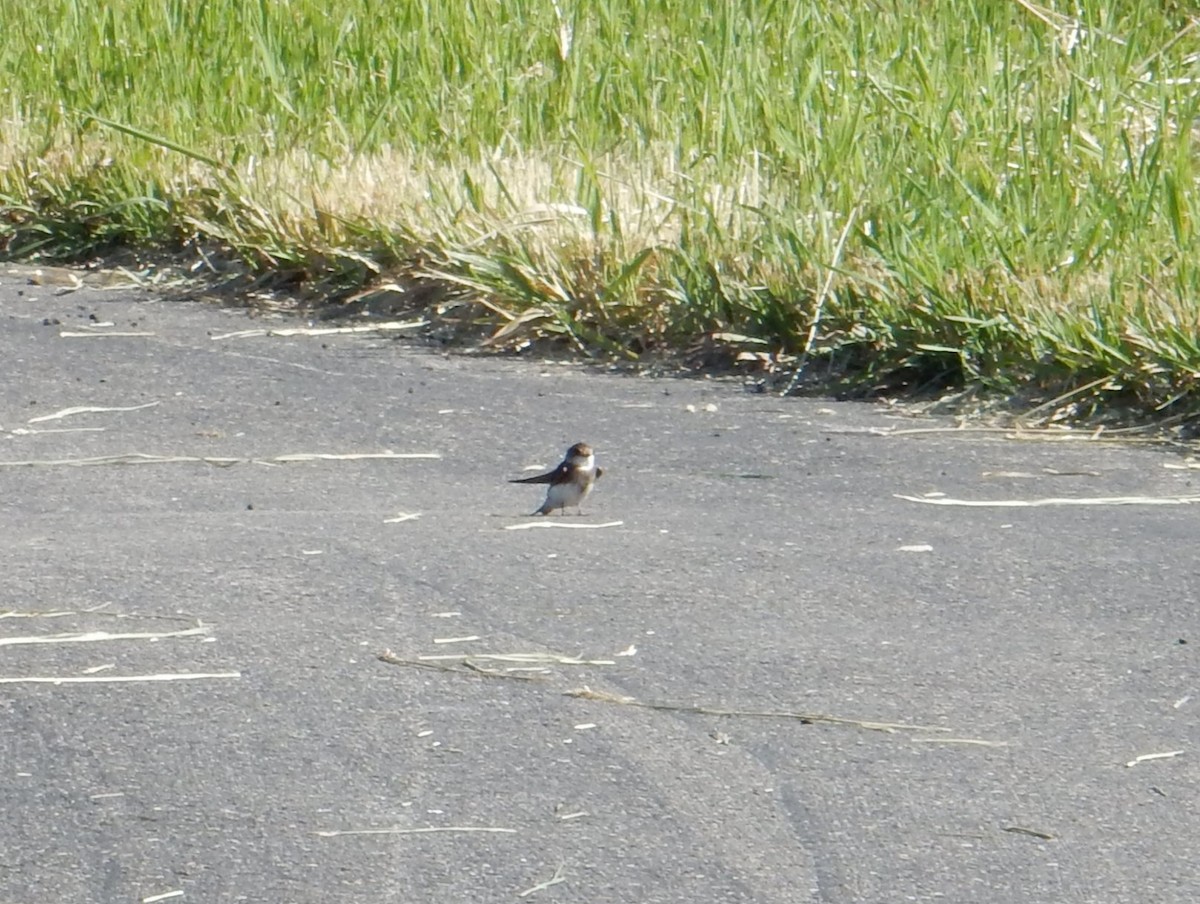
(991, 193)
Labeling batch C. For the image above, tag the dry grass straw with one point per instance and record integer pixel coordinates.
(402, 517)
(557, 524)
(523, 658)
(469, 664)
(466, 666)
(100, 637)
(1043, 503)
(969, 742)
(427, 830)
(33, 431)
(1032, 833)
(144, 458)
(105, 334)
(388, 327)
(121, 679)
(556, 879)
(1148, 757)
(165, 896)
(586, 693)
(1144, 435)
(99, 610)
(88, 409)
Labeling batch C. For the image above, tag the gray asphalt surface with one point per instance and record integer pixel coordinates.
(762, 562)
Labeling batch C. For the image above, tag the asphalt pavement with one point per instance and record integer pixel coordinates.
(275, 627)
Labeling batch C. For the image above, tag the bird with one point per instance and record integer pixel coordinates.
(570, 482)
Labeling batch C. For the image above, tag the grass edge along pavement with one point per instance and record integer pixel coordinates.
(991, 194)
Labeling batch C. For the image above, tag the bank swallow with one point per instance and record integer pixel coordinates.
(570, 482)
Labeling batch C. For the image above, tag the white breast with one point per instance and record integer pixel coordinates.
(566, 494)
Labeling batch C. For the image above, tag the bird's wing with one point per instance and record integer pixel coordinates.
(549, 477)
